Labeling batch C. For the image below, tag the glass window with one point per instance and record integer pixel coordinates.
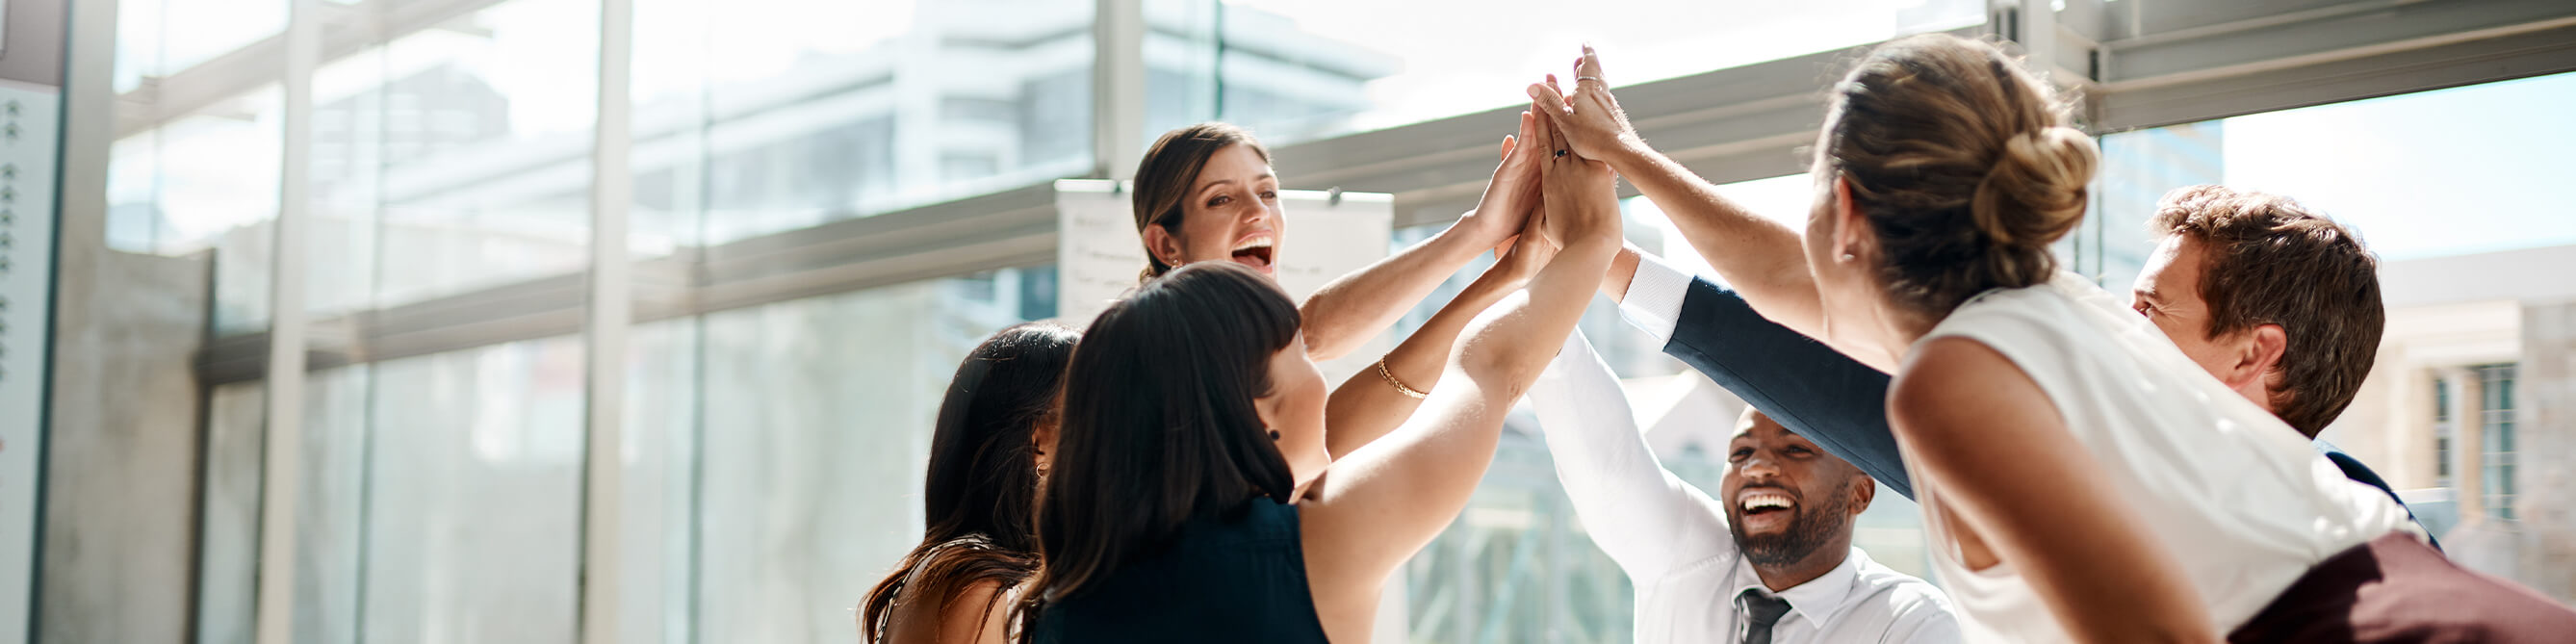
(228, 548)
(440, 500)
(473, 495)
(205, 180)
(1510, 568)
(2441, 432)
(2496, 419)
(183, 178)
(345, 203)
(2137, 169)
(2466, 190)
(486, 135)
(748, 124)
(818, 418)
(328, 525)
(1300, 69)
(158, 38)
(657, 578)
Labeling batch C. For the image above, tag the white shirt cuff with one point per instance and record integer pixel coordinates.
(1654, 299)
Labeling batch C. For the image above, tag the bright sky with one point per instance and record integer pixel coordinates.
(2449, 172)
(1462, 57)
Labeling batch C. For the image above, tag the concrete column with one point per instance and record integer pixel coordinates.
(2468, 442)
(121, 464)
(2545, 437)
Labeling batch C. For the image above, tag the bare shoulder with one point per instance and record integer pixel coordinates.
(978, 615)
(975, 616)
(1951, 376)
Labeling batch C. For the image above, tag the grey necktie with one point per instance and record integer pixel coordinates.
(1761, 612)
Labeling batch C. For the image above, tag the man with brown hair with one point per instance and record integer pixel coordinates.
(2277, 301)
(2280, 303)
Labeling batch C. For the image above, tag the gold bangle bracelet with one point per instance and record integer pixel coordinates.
(1389, 377)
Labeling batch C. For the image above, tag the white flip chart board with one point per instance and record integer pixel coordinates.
(1098, 254)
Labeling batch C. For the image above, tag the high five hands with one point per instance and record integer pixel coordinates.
(1556, 164)
(1574, 136)
(1590, 118)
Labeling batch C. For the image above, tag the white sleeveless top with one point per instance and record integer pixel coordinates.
(2240, 498)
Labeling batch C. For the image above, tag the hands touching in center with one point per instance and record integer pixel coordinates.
(1514, 191)
(1589, 119)
(1577, 191)
(1535, 178)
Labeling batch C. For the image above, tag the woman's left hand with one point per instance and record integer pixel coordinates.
(1513, 192)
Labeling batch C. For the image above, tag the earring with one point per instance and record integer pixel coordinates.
(1846, 258)
(1274, 434)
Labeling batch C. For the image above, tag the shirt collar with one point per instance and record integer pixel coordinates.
(1815, 600)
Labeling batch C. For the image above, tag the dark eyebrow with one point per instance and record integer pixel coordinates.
(1205, 186)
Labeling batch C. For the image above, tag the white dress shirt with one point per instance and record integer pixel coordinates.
(1673, 541)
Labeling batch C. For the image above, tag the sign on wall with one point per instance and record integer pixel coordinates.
(1328, 235)
(28, 136)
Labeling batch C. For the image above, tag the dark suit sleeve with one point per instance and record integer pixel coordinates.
(2353, 469)
(1808, 387)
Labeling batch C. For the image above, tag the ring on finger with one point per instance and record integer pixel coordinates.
(1595, 79)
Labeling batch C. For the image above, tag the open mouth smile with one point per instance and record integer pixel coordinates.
(1255, 251)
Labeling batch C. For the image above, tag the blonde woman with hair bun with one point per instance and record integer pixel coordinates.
(2081, 478)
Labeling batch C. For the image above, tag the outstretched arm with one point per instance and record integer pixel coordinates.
(2019, 482)
(1644, 517)
(1810, 388)
(1388, 499)
(1367, 406)
(1345, 313)
(1762, 258)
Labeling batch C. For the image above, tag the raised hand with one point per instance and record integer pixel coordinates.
(1513, 192)
(1589, 118)
(1577, 192)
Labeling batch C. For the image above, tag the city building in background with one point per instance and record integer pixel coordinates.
(825, 204)
(2460, 407)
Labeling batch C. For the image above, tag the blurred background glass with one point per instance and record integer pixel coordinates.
(773, 448)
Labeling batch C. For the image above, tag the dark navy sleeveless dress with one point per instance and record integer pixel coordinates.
(1236, 577)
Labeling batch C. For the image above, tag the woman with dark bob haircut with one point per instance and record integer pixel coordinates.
(1193, 498)
(987, 456)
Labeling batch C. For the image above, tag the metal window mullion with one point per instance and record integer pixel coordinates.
(1118, 87)
(605, 326)
(282, 468)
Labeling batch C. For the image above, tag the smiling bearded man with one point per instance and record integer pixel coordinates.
(1791, 505)
(1785, 572)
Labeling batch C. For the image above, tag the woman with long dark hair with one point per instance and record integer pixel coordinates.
(1193, 497)
(987, 456)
